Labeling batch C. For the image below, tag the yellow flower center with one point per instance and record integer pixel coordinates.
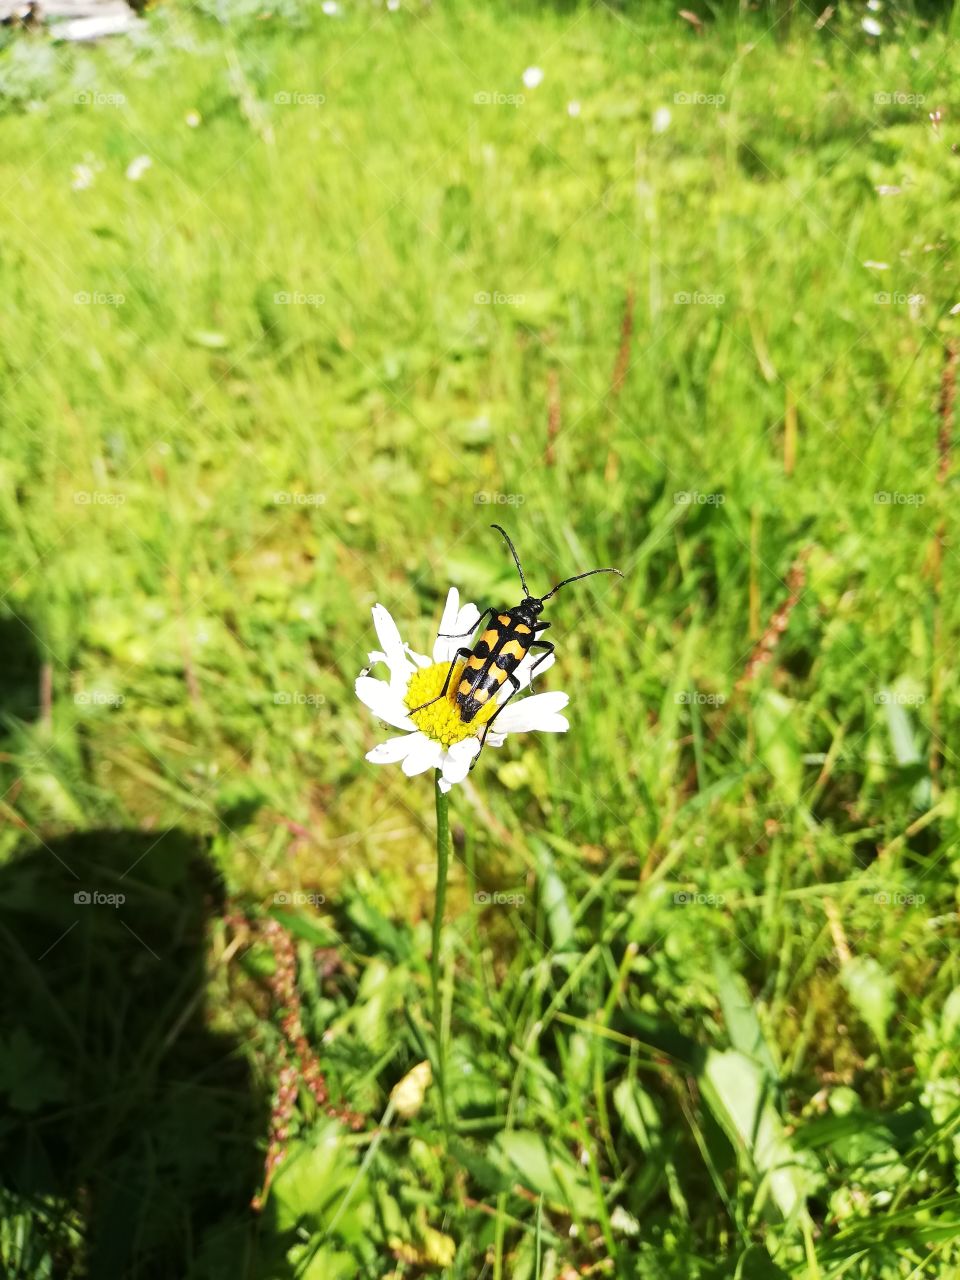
(441, 719)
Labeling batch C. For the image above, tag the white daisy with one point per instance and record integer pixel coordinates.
(435, 737)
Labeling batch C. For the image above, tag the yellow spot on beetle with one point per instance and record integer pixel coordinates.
(514, 648)
(503, 619)
(522, 629)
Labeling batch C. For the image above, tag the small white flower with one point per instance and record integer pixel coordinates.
(661, 119)
(138, 167)
(573, 108)
(532, 77)
(871, 26)
(84, 176)
(435, 737)
(330, 8)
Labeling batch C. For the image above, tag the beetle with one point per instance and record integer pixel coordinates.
(503, 644)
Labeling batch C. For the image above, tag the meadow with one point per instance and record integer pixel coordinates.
(297, 301)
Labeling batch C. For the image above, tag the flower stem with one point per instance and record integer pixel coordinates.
(440, 898)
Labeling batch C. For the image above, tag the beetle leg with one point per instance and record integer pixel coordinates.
(458, 635)
(462, 652)
(547, 648)
(486, 728)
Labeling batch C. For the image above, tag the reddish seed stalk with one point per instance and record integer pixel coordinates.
(296, 1064)
(622, 365)
(948, 396)
(945, 411)
(553, 417)
(766, 646)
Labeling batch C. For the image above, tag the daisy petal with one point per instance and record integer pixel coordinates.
(526, 666)
(457, 761)
(384, 701)
(389, 636)
(539, 712)
(375, 656)
(466, 620)
(424, 754)
(447, 641)
(392, 750)
(448, 619)
(419, 659)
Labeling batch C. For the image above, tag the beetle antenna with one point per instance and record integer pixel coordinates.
(577, 579)
(516, 558)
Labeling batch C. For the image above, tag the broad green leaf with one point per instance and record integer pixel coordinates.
(872, 993)
(546, 1169)
(738, 1092)
(778, 745)
(743, 1025)
(636, 1109)
(311, 1184)
(553, 896)
(27, 1076)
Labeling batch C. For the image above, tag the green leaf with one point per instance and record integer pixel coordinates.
(778, 746)
(950, 1016)
(738, 1092)
(640, 1118)
(553, 895)
(739, 1015)
(545, 1169)
(872, 993)
(26, 1075)
(312, 1182)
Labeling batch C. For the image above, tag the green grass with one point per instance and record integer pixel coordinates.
(719, 1035)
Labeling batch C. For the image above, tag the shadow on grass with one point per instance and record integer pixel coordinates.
(120, 1099)
(129, 1126)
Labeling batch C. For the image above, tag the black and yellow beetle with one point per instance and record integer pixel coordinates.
(510, 635)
